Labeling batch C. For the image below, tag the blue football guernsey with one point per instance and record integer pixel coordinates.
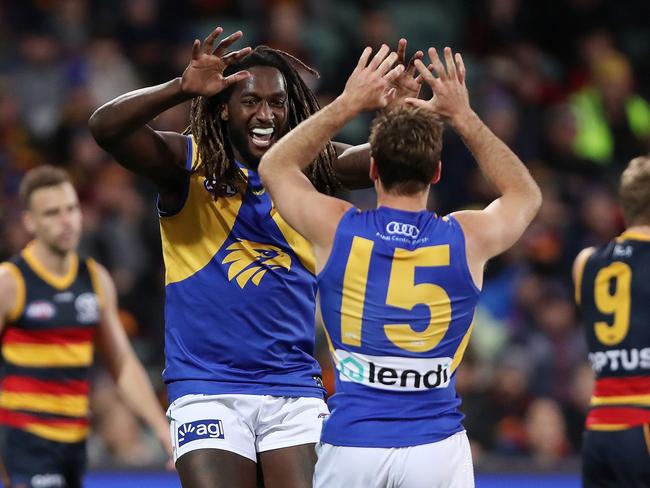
(398, 302)
(240, 295)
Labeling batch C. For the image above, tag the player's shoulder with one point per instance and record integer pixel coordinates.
(10, 274)
(581, 260)
(12, 285)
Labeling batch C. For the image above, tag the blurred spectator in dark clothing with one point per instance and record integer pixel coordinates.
(40, 81)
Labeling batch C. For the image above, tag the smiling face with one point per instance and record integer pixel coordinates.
(257, 113)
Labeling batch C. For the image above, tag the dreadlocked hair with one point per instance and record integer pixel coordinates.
(209, 130)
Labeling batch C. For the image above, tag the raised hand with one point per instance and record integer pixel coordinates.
(450, 99)
(406, 85)
(204, 75)
(369, 85)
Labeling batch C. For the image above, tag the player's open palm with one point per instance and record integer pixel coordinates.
(450, 98)
(369, 85)
(204, 75)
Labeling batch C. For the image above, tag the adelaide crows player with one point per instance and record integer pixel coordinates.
(398, 285)
(612, 284)
(240, 285)
(54, 306)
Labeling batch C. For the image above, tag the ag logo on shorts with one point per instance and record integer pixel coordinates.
(402, 229)
(199, 429)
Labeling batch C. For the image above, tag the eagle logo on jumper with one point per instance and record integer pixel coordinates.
(249, 261)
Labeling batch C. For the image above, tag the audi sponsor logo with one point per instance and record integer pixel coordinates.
(402, 229)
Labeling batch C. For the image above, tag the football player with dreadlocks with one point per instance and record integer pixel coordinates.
(240, 282)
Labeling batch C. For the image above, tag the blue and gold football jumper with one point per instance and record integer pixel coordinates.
(397, 301)
(240, 295)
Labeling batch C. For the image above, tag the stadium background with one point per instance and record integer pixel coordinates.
(562, 82)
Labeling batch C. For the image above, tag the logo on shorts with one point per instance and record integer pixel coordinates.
(200, 429)
(47, 481)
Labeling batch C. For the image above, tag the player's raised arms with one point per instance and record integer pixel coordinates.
(497, 227)
(121, 125)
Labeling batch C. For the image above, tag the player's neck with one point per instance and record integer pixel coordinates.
(411, 203)
(54, 262)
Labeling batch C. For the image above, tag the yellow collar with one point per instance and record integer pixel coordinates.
(60, 282)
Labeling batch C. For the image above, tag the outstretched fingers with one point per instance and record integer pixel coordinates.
(387, 64)
(394, 73)
(196, 49)
(208, 42)
(235, 77)
(438, 67)
(234, 56)
(363, 59)
(401, 51)
(451, 65)
(419, 77)
(426, 74)
(379, 57)
(416, 102)
(461, 69)
(223, 46)
(410, 67)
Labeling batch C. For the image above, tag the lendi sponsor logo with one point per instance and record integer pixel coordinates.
(393, 373)
(402, 229)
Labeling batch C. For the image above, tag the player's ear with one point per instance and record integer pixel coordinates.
(28, 222)
(223, 115)
(437, 174)
(374, 174)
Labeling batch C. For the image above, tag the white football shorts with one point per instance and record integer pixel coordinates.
(443, 464)
(244, 424)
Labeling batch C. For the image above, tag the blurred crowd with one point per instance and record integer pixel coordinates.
(563, 83)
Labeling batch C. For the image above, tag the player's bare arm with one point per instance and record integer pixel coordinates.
(121, 125)
(8, 293)
(281, 168)
(353, 162)
(496, 228)
(123, 365)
